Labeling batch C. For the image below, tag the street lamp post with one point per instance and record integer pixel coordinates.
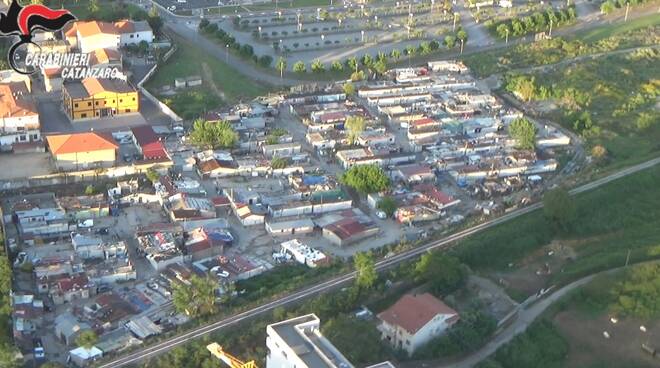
(454, 28)
(462, 46)
(506, 40)
(227, 53)
(362, 35)
(550, 32)
(625, 18)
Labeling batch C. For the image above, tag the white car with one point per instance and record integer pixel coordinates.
(20, 259)
(381, 215)
(86, 224)
(223, 274)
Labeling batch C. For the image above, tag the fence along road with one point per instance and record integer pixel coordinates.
(334, 283)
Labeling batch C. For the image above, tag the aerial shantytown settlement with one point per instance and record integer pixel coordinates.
(329, 183)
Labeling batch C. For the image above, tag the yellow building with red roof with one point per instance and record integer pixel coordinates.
(97, 98)
(82, 150)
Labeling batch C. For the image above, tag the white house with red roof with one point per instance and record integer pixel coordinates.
(415, 320)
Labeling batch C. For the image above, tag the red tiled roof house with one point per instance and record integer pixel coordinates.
(415, 320)
(80, 151)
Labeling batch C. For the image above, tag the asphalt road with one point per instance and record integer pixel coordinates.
(480, 40)
(336, 282)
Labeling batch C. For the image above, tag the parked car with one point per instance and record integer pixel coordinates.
(103, 231)
(103, 288)
(86, 224)
(381, 215)
(20, 259)
(39, 352)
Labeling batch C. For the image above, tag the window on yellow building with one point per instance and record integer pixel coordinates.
(75, 105)
(128, 110)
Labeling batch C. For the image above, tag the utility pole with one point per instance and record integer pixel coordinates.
(462, 46)
(625, 19)
(454, 28)
(506, 39)
(227, 53)
(550, 32)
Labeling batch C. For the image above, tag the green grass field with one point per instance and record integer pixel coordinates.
(108, 10)
(638, 32)
(190, 60)
(619, 92)
(623, 214)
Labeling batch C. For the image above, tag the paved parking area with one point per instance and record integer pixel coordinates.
(24, 165)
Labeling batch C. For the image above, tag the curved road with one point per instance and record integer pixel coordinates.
(441, 244)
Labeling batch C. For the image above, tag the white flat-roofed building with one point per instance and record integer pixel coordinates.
(304, 254)
(298, 343)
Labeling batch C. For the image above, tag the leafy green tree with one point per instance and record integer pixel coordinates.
(522, 86)
(264, 61)
(470, 333)
(366, 179)
(410, 50)
(517, 27)
(358, 340)
(93, 6)
(503, 30)
(299, 67)
(599, 153)
(317, 66)
(349, 89)
(540, 346)
(524, 132)
(638, 295)
(450, 41)
(366, 270)
(367, 60)
(278, 163)
(155, 21)
(87, 339)
(443, 272)
(152, 175)
(352, 63)
(395, 54)
(583, 124)
(9, 356)
(354, 126)
(357, 76)
(90, 190)
(607, 7)
(336, 66)
(196, 299)
(461, 35)
(425, 48)
(380, 67)
(387, 205)
(5, 285)
(210, 135)
(559, 209)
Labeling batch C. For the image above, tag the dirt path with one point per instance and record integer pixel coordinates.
(208, 76)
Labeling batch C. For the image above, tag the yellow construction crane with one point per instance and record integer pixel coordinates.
(230, 360)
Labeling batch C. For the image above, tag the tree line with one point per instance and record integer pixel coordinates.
(536, 22)
(245, 51)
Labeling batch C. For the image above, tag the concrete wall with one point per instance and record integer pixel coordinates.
(161, 106)
(80, 176)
